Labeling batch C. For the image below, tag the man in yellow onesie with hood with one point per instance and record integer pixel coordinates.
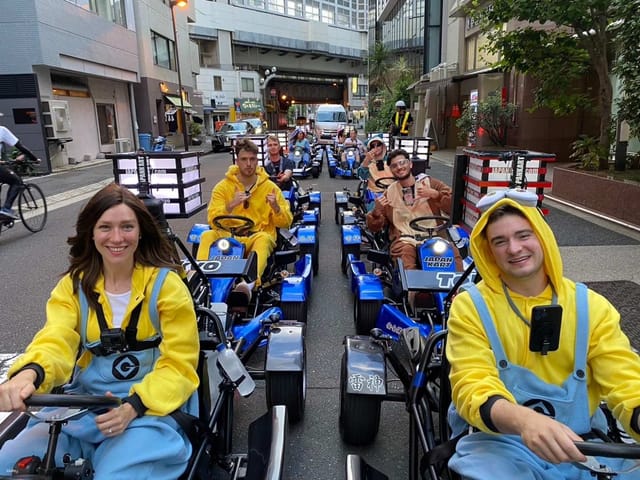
(247, 191)
(529, 407)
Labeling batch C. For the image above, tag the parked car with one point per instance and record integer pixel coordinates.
(256, 125)
(222, 139)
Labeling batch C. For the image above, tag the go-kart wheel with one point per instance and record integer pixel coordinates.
(345, 250)
(294, 311)
(289, 389)
(415, 224)
(359, 414)
(332, 172)
(315, 172)
(365, 314)
(234, 224)
(384, 182)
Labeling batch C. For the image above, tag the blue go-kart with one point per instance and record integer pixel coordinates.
(347, 168)
(276, 314)
(391, 297)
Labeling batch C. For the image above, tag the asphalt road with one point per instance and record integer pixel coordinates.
(32, 263)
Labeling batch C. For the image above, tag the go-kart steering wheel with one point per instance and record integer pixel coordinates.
(245, 224)
(384, 183)
(415, 224)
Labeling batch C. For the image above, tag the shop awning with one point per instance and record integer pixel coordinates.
(176, 101)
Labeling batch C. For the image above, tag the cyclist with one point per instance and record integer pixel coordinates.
(8, 176)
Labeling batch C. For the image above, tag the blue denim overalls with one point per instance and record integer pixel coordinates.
(151, 446)
(482, 455)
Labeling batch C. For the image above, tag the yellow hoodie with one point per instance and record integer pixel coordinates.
(173, 378)
(613, 370)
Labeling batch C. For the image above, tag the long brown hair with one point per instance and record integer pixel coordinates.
(85, 262)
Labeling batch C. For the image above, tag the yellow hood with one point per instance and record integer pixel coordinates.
(483, 257)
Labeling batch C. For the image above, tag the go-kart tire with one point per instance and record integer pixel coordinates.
(365, 314)
(315, 172)
(345, 250)
(289, 389)
(332, 172)
(294, 311)
(359, 414)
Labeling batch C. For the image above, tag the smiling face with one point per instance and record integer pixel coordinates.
(116, 235)
(273, 146)
(517, 251)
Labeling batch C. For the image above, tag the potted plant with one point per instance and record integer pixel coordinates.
(491, 115)
(195, 130)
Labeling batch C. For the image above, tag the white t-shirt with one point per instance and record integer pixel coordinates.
(7, 137)
(118, 302)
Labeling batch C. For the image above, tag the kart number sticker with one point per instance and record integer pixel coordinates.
(209, 266)
(366, 383)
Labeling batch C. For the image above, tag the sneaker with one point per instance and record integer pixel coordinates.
(7, 212)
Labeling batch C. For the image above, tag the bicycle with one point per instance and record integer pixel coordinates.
(32, 205)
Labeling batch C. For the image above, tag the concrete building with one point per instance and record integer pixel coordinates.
(80, 78)
(317, 48)
(444, 47)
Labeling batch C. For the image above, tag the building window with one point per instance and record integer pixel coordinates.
(217, 83)
(107, 123)
(247, 84)
(163, 51)
(112, 10)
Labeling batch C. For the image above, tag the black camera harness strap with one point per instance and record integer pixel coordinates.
(130, 334)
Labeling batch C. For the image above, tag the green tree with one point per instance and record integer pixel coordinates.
(491, 115)
(627, 63)
(397, 78)
(378, 62)
(556, 42)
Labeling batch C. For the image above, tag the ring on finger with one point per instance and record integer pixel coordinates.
(110, 430)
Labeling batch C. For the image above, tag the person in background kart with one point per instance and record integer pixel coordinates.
(374, 166)
(341, 137)
(298, 140)
(247, 191)
(405, 199)
(353, 142)
(9, 140)
(279, 167)
(528, 407)
(122, 275)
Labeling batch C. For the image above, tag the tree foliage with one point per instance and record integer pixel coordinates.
(627, 64)
(390, 82)
(556, 42)
(491, 115)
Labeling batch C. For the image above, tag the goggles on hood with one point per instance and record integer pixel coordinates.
(519, 195)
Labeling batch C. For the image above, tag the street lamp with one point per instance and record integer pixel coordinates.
(183, 117)
(269, 74)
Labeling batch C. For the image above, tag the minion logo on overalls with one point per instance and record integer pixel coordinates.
(541, 406)
(125, 367)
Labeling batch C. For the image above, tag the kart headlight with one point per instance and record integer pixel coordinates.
(224, 245)
(439, 247)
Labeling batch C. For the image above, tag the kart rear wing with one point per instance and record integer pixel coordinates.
(424, 280)
(223, 266)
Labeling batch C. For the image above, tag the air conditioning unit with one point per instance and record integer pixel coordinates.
(123, 145)
(56, 119)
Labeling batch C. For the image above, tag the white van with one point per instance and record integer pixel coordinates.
(329, 119)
